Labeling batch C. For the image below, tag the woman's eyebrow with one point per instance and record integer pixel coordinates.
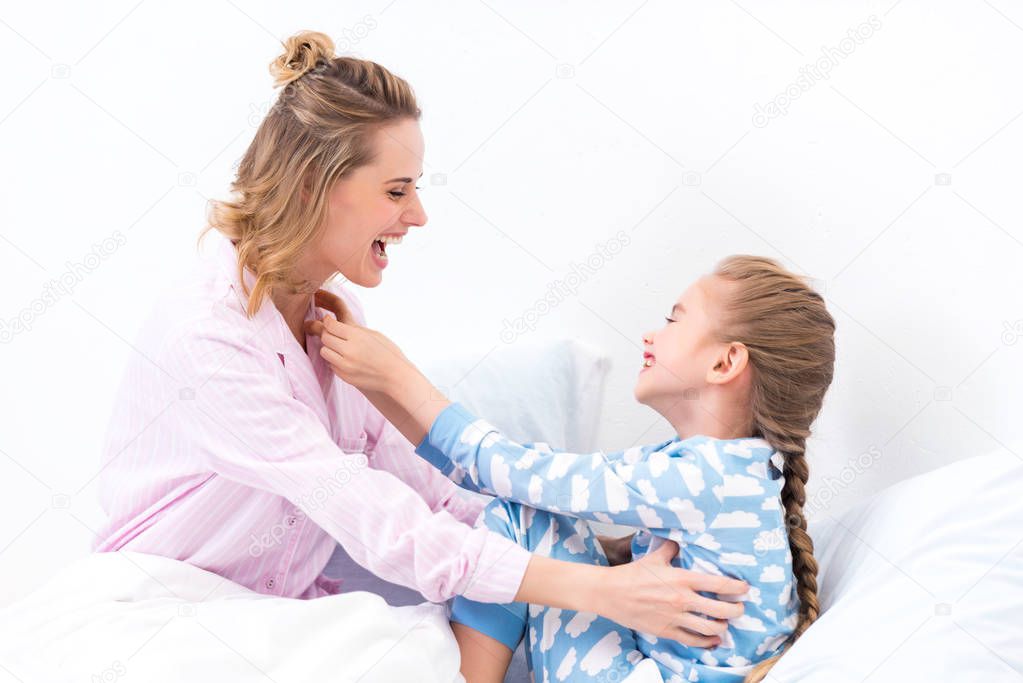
(677, 307)
(403, 180)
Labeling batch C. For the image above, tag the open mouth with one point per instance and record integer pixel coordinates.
(380, 245)
(648, 359)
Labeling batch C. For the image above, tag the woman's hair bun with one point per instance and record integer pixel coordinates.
(302, 52)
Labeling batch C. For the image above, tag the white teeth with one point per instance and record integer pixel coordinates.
(390, 239)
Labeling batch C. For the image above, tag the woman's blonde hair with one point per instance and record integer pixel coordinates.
(790, 337)
(319, 129)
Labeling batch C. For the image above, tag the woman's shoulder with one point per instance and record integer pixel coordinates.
(202, 318)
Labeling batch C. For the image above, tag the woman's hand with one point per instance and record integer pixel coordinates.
(651, 596)
(647, 595)
(618, 550)
(362, 357)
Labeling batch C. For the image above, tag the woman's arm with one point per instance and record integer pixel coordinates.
(247, 427)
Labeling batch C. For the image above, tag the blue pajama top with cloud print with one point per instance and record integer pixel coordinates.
(719, 499)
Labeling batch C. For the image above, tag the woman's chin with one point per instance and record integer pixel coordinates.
(366, 279)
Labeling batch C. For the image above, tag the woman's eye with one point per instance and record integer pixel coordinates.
(398, 194)
(670, 320)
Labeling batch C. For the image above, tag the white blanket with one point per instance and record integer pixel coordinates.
(149, 618)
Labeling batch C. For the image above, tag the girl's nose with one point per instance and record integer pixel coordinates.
(648, 338)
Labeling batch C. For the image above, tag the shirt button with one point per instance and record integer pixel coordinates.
(270, 582)
(291, 521)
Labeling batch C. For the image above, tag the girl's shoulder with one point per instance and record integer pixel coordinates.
(747, 455)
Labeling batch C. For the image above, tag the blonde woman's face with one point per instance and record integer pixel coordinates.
(678, 356)
(371, 209)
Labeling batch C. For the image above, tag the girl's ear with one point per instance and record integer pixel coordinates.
(729, 364)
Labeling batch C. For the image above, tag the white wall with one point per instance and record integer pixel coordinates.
(550, 128)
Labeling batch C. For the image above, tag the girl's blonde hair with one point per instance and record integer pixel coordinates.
(790, 337)
(318, 130)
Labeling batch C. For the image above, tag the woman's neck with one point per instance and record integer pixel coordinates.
(293, 308)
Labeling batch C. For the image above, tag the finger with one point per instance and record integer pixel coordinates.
(665, 552)
(695, 640)
(722, 585)
(338, 329)
(313, 327)
(707, 627)
(325, 329)
(335, 304)
(334, 343)
(331, 356)
(717, 608)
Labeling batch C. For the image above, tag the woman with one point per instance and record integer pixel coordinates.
(233, 447)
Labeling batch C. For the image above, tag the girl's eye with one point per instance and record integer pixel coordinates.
(670, 320)
(396, 194)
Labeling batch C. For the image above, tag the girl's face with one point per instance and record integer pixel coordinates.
(679, 359)
(371, 209)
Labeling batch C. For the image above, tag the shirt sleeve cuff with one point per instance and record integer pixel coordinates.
(499, 571)
(451, 421)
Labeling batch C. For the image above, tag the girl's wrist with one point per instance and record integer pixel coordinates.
(419, 400)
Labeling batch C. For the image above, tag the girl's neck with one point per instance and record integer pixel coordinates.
(706, 416)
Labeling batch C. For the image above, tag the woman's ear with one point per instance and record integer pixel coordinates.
(729, 364)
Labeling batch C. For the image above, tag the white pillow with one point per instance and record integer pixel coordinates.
(550, 391)
(921, 582)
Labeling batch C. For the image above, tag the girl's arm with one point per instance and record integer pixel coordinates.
(633, 488)
(389, 450)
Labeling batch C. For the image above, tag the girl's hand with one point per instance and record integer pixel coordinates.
(618, 550)
(362, 357)
(372, 363)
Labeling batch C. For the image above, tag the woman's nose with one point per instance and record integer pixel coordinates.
(414, 214)
(648, 338)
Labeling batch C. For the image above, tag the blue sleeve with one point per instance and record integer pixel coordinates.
(642, 487)
(428, 452)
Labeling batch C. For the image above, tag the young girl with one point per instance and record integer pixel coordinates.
(740, 371)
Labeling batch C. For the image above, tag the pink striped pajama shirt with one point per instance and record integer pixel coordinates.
(233, 449)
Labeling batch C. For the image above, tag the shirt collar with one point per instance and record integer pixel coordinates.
(778, 460)
(267, 318)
